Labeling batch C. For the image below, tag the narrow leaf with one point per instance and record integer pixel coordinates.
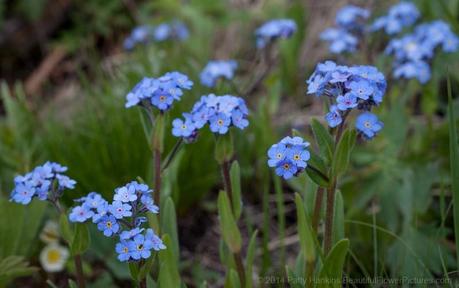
(324, 139)
(343, 152)
(338, 218)
(304, 231)
(454, 163)
(249, 259)
(168, 274)
(169, 225)
(235, 175)
(332, 269)
(81, 240)
(228, 225)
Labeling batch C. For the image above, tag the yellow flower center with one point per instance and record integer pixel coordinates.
(286, 166)
(279, 155)
(296, 157)
(53, 256)
(125, 249)
(220, 122)
(367, 124)
(184, 126)
(109, 224)
(140, 247)
(162, 98)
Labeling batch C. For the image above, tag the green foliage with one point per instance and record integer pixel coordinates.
(12, 267)
(228, 225)
(81, 240)
(332, 267)
(305, 231)
(168, 271)
(235, 174)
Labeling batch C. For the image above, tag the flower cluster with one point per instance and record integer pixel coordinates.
(289, 157)
(359, 87)
(124, 218)
(413, 51)
(159, 92)
(217, 69)
(220, 112)
(274, 29)
(176, 30)
(46, 182)
(139, 35)
(350, 24)
(401, 15)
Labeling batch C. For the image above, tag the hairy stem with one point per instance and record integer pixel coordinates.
(240, 268)
(79, 271)
(329, 218)
(157, 176)
(172, 154)
(227, 181)
(317, 208)
(143, 283)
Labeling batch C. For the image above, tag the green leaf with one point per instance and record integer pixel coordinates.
(323, 139)
(169, 225)
(235, 175)
(168, 273)
(454, 163)
(224, 149)
(343, 152)
(249, 259)
(72, 284)
(293, 278)
(81, 240)
(145, 268)
(12, 267)
(134, 270)
(304, 231)
(232, 279)
(317, 170)
(66, 229)
(228, 225)
(338, 218)
(331, 272)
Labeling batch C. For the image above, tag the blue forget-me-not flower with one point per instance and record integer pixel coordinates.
(217, 69)
(274, 29)
(159, 92)
(289, 157)
(45, 182)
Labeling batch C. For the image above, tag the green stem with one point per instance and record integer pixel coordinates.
(157, 176)
(329, 218)
(227, 183)
(280, 218)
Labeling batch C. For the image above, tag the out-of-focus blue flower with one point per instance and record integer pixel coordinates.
(175, 30)
(220, 112)
(217, 69)
(160, 93)
(350, 22)
(139, 35)
(413, 51)
(419, 70)
(108, 225)
(368, 124)
(352, 17)
(46, 182)
(340, 40)
(400, 15)
(289, 157)
(274, 29)
(128, 234)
